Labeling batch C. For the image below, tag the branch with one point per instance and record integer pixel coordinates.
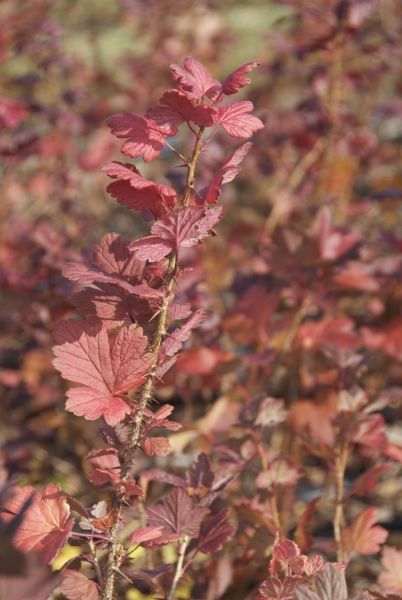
(116, 550)
(179, 566)
(339, 520)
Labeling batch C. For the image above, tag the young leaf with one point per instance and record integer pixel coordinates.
(238, 79)
(176, 107)
(195, 80)
(226, 173)
(237, 121)
(105, 367)
(183, 228)
(144, 138)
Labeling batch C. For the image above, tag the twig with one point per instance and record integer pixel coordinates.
(179, 566)
(339, 520)
(116, 550)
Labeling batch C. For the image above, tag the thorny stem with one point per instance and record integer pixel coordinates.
(179, 566)
(191, 166)
(339, 520)
(116, 551)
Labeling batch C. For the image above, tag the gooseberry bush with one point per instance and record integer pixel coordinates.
(246, 384)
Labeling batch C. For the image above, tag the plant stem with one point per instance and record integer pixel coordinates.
(192, 165)
(179, 566)
(116, 550)
(339, 519)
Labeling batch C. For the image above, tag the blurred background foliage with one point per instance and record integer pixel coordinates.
(327, 166)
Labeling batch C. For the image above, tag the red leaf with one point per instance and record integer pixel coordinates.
(176, 107)
(76, 586)
(144, 139)
(174, 342)
(107, 467)
(335, 332)
(145, 534)
(136, 192)
(215, 532)
(226, 173)
(195, 80)
(237, 121)
(46, 525)
(183, 228)
(238, 79)
(363, 535)
(390, 578)
(106, 367)
(156, 446)
(113, 262)
(177, 515)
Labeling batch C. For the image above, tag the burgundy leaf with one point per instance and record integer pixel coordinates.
(105, 366)
(177, 515)
(215, 531)
(237, 121)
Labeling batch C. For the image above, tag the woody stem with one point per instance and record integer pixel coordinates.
(116, 551)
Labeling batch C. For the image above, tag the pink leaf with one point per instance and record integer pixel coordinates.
(226, 173)
(183, 228)
(105, 367)
(238, 79)
(174, 342)
(195, 80)
(76, 586)
(144, 139)
(363, 535)
(136, 192)
(237, 121)
(46, 524)
(145, 534)
(390, 578)
(176, 107)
